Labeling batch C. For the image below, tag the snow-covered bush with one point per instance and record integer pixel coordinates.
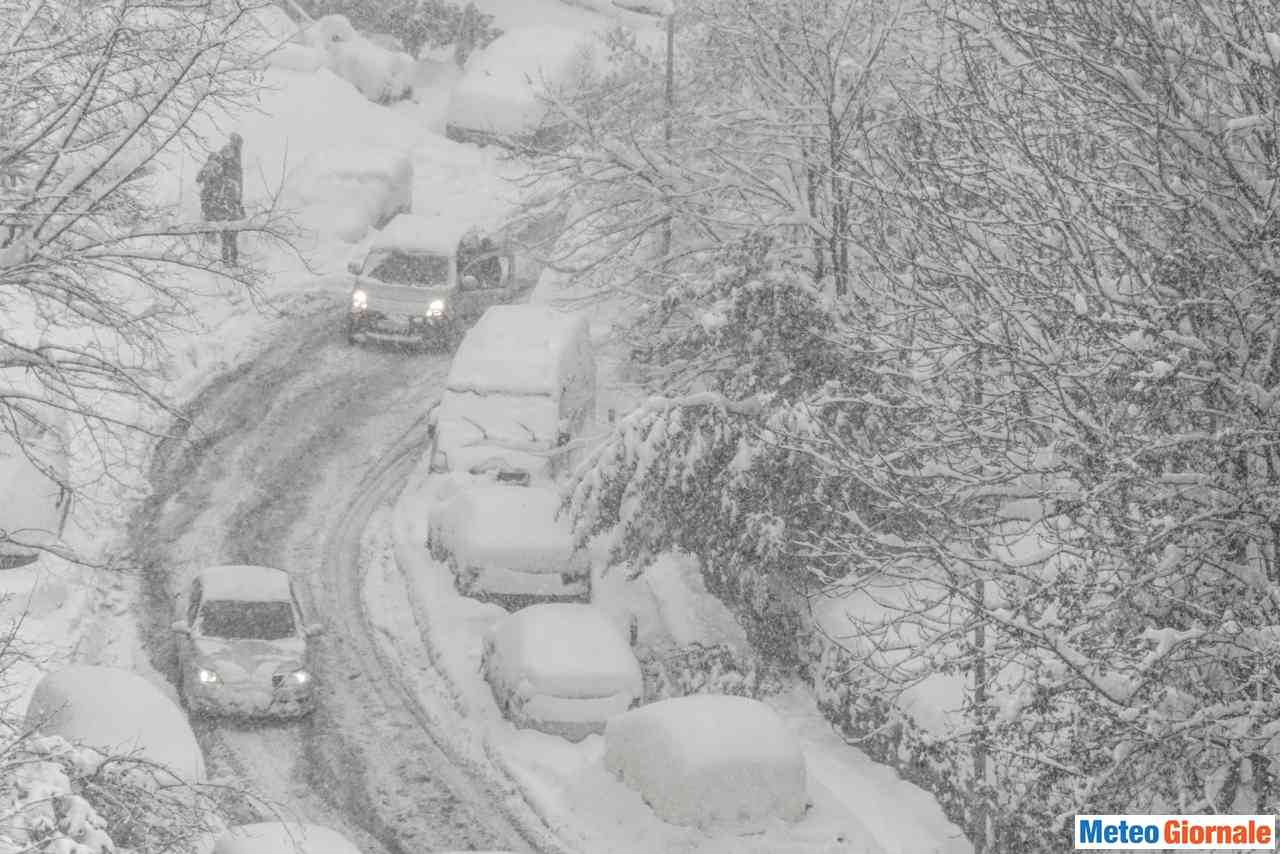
(710, 761)
(716, 669)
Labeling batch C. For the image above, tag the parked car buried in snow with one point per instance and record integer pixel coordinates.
(117, 713)
(424, 280)
(243, 648)
(518, 398)
(710, 760)
(562, 668)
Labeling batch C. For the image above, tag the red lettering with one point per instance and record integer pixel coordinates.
(1264, 833)
(1171, 832)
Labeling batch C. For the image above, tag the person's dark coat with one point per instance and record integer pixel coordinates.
(222, 183)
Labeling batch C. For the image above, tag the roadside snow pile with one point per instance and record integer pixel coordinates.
(503, 88)
(117, 712)
(566, 650)
(380, 74)
(274, 837)
(710, 761)
(347, 192)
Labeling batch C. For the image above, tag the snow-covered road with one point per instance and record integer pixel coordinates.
(286, 460)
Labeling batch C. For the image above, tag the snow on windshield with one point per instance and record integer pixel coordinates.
(475, 429)
(247, 620)
(403, 268)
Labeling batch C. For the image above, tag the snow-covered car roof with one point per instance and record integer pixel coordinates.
(275, 837)
(534, 537)
(568, 650)
(412, 233)
(245, 583)
(116, 711)
(516, 349)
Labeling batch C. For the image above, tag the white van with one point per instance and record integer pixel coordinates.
(521, 390)
(517, 407)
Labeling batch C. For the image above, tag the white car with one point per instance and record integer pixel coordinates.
(275, 837)
(424, 280)
(561, 668)
(243, 648)
(505, 540)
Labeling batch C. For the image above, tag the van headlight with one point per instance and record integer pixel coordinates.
(359, 300)
(207, 676)
(436, 308)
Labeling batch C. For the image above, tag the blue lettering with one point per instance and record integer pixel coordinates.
(1150, 834)
(1089, 832)
(1110, 834)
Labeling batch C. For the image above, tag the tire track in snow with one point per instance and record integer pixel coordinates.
(265, 473)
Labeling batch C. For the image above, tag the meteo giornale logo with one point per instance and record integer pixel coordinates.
(1175, 832)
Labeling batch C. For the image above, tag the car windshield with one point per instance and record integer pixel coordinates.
(247, 620)
(404, 268)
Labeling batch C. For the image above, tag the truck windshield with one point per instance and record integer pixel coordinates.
(409, 268)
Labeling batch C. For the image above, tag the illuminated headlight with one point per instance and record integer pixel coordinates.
(436, 309)
(300, 677)
(207, 677)
(359, 300)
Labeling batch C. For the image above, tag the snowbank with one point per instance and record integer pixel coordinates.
(503, 88)
(276, 837)
(710, 760)
(117, 712)
(564, 649)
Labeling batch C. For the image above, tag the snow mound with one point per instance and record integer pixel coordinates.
(535, 538)
(503, 88)
(565, 650)
(117, 712)
(245, 584)
(347, 191)
(517, 349)
(380, 74)
(274, 837)
(710, 760)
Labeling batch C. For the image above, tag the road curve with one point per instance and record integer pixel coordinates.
(285, 460)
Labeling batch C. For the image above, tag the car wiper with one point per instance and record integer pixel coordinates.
(484, 434)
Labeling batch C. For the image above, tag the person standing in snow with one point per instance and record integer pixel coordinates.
(222, 191)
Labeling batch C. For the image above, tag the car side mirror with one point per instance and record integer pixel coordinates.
(353, 267)
(182, 627)
(562, 439)
(314, 630)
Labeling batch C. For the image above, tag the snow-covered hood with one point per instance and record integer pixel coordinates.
(401, 299)
(250, 660)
